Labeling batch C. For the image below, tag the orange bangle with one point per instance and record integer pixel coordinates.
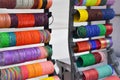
(83, 46)
(20, 19)
(36, 38)
(7, 21)
(30, 70)
(25, 20)
(27, 34)
(40, 4)
(29, 18)
(38, 69)
(2, 21)
(49, 4)
(103, 43)
(98, 2)
(18, 38)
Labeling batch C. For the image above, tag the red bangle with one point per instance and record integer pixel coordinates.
(83, 46)
(109, 29)
(49, 4)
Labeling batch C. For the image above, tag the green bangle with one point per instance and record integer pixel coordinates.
(49, 50)
(104, 71)
(93, 2)
(81, 31)
(5, 39)
(102, 30)
(88, 2)
(85, 60)
(103, 2)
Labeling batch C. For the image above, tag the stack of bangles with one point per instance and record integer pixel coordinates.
(83, 15)
(90, 59)
(23, 20)
(93, 45)
(23, 55)
(8, 39)
(94, 2)
(26, 4)
(27, 71)
(93, 30)
(98, 73)
(51, 78)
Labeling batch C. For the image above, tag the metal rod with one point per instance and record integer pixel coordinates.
(117, 15)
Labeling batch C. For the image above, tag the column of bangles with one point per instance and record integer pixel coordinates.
(26, 4)
(8, 39)
(23, 20)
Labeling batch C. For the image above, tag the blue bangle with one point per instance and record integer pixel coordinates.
(97, 30)
(108, 14)
(76, 2)
(12, 38)
(84, 2)
(93, 44)
(88, 31)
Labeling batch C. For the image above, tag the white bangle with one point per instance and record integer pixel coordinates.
(18, 4)
(31, 3)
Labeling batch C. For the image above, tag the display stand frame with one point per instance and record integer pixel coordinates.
(75, 73)
(46, 27)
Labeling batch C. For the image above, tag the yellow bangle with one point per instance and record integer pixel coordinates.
(49, 78)
(81, 15)
(40, 4)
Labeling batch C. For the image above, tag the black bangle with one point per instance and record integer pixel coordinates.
(44, 4)
(103, 2)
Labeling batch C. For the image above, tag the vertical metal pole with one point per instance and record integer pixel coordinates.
(70, 38)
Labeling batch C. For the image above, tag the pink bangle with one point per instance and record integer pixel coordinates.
(24, 72)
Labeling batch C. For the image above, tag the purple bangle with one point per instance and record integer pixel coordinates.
(16, 56)
(14, 20)
(21, 55)
(24, 55)
(28, 55)
(35, 53)
(110, 2)
(7, 57)
(111, 42)
(32, 53)
(1, 59)
(38, 52)
(40, 19)
(46, 19)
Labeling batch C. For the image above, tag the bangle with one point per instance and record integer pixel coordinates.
(81, 15)
(44, 4)
(98, 2)
(36, 2)
(40, 4)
